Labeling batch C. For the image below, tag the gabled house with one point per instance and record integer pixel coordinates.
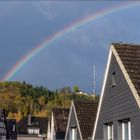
(11, 129)
(81, 120)
(3, 129)
(118, 116)
(58, 124)
(32, 128)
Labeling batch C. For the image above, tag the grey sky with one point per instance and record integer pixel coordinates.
(69, 60)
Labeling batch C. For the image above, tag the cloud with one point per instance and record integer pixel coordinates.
(47, 9)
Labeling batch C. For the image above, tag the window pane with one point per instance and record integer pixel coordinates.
(113, 79)
(73, 133)
(126, 130)
(110, 132)
(14, 128)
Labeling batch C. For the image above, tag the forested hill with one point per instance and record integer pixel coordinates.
(20, 99)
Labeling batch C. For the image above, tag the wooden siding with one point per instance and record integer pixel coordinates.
(118, 102)
(136, 127)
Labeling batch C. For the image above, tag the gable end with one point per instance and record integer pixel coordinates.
(126, 75)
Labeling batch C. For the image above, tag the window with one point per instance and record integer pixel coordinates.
(33, 131)
(36, 131)
(30, 131)
(113, 79)
(73, 133)
(126, 130)
(110, 131)
(14, 128)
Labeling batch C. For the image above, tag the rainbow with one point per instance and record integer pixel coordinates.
(71, 27)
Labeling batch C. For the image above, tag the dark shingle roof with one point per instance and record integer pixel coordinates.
(86, 114)
(1, 112)
(130, 57)
(60, 122)
(37, 122)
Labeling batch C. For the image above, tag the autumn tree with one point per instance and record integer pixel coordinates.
(76, 88)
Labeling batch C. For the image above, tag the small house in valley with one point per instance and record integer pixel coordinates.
(11, 129)
(32, 128)
(3, 129)
(118, 116)
(81, 120)
(57, 124)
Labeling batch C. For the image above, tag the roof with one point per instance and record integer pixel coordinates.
(1, 112)
(37, 122)
(86, 114)
(130, 57)
(60, 121)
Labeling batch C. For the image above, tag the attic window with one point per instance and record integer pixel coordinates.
(113, 79)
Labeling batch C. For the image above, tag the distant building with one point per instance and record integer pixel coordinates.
(32, 128)
(3, 131)
(11, 129)
(58, 124)
(81, 120)
(82, 93)
(118, 116)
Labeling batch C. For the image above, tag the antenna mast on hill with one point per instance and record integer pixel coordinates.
(94, 80)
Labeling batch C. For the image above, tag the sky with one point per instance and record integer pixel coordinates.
(69, 59)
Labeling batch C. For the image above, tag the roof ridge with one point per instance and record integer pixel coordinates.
(125, 43)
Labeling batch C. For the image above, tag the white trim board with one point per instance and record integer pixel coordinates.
(102, 94)
(77, 121)
(66, 135)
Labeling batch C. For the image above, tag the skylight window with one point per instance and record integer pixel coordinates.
(113, 79)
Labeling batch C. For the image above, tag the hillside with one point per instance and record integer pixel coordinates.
(19, 99)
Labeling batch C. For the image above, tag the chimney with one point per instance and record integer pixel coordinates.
(29, 119)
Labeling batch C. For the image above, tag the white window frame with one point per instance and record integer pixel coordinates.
(14, 128)
(30, 131)
(73, 137)
(110, 126)
(35, 131)
(129, 130)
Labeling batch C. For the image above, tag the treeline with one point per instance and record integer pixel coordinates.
(20, 99)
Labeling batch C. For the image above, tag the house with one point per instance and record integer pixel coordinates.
(81, 120)
(11, 129)
(32, 128)
(58, 124)
(3, 130)
(118, 116)
(82, 93)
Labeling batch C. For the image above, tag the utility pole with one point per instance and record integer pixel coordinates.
(94, 80)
